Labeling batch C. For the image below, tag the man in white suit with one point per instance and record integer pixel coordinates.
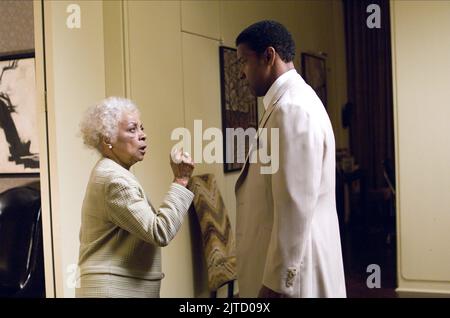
(287, 231)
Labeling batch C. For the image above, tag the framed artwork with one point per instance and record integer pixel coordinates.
(19, 137)
(239, 110)
(314, 72)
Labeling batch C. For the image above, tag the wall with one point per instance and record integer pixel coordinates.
(16, 26)
(421, 72)
(172, 72)
(75, 78)
(16, 35)
(163, 55)
(155, 83)
(317, 26)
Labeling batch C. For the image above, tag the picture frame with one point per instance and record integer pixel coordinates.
(19, 134)
(314, 72)
(239, 110)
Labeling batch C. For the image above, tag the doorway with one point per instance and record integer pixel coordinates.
(366, 181)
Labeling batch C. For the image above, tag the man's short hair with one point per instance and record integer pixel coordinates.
(261, 35)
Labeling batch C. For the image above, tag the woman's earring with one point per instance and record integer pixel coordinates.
(110, 146)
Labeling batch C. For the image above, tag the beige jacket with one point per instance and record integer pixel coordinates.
(121, 233)
(287, 231)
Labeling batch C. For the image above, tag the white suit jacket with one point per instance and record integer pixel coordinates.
(287, 230)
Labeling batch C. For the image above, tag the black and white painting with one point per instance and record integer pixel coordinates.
(19, 138)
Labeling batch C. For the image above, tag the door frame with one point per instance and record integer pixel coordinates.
(41, 101)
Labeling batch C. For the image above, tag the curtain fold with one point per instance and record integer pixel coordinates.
(369, 70)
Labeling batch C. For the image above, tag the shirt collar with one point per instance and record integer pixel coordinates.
(267, 100)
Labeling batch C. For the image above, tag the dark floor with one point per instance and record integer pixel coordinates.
(362, 248)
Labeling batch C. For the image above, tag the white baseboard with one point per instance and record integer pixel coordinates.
(421, 293)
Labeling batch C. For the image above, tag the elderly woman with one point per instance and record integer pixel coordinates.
(121, 232)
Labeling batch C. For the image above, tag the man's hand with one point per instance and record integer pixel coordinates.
(266, 292)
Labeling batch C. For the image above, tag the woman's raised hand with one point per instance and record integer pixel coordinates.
(182, 166)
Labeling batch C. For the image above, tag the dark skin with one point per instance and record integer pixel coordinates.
(182, 171)
(130, 146)
(261, 71)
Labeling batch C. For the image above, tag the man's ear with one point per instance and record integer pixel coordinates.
(270, 55)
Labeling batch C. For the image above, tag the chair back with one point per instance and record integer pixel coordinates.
(217, 235)
(21, 253)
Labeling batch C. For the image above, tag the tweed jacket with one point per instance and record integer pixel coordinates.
(121, 233)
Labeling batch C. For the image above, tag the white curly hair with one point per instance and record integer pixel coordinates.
(101, 120)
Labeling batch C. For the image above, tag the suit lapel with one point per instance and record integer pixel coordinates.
(261, 125)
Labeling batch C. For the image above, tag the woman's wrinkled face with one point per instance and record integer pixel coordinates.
(130, 145)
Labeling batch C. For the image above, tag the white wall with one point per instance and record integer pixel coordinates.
(164, 55)
(156, 84)
(171, 49)
(75, 80)
(421, 69)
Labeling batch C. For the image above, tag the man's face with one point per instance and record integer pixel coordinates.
(254, 69)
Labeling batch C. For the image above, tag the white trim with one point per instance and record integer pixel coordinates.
(396, 141)
(43, 158)
(421, 292)
(52, 187)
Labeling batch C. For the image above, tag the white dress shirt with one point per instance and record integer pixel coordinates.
(276, 85)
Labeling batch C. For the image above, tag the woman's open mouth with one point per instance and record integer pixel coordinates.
(143, 149)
